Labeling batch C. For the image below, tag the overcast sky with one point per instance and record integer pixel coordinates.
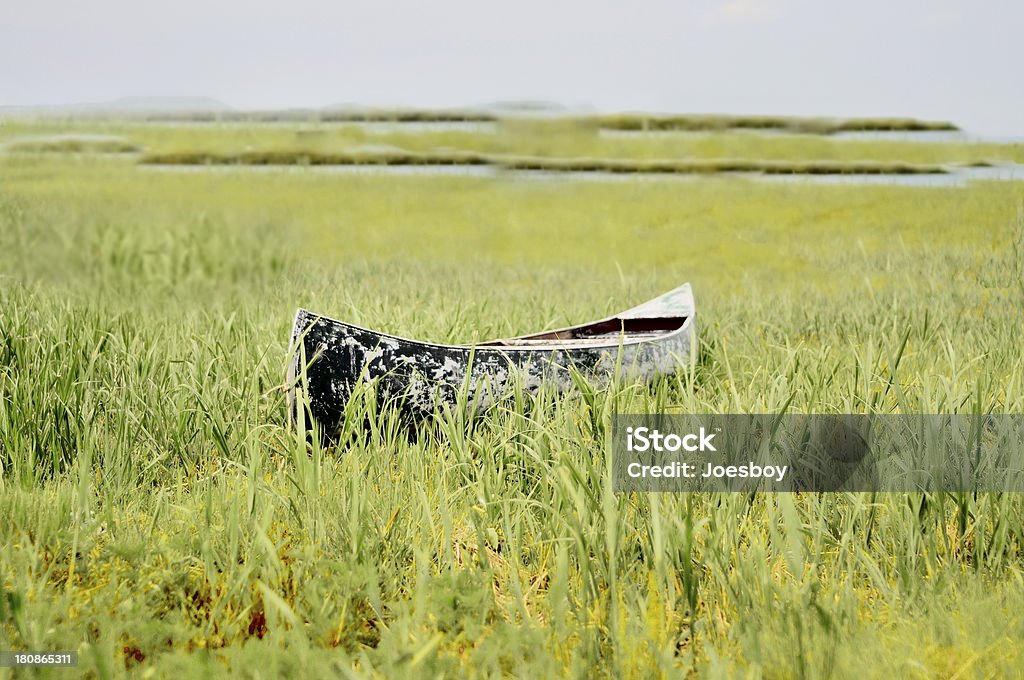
(945, 59)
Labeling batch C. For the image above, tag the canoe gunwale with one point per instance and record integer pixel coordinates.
(683, 324)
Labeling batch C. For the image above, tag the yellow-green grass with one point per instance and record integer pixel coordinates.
(158, 514)
(540, 138)
(539, 163)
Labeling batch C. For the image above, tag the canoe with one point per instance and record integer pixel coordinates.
(330, 357)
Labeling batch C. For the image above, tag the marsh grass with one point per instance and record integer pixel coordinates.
(547, 138)
(158, 513)
(814, 126)
(70, 143)
(540, 164)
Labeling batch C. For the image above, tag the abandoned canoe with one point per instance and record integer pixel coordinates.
(330, 357)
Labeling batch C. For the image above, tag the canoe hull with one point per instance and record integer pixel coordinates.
(331, 357)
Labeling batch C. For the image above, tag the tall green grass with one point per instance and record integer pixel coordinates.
(158, 514)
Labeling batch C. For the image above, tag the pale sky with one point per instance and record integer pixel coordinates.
(945, 59)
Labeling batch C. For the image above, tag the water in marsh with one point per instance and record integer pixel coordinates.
(368, 170)
(954, 177)
(923, 136)
(611, 133)
(936, 136)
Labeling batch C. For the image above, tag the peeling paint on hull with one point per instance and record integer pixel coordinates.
(424, 376)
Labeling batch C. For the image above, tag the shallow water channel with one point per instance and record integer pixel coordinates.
(954, 177)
